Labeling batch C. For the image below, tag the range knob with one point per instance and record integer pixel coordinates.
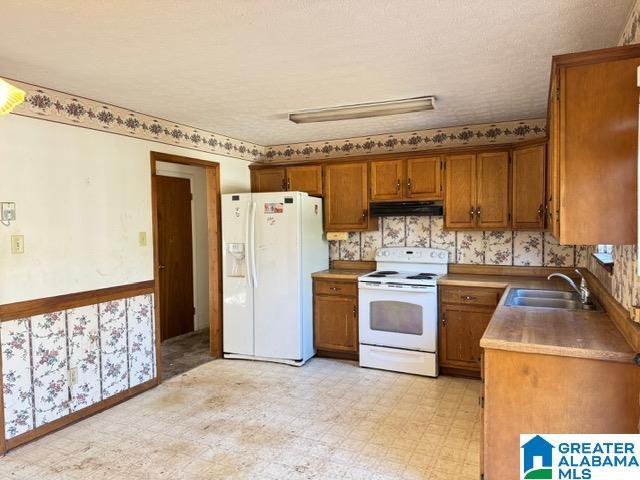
(433, 254)
(442, 255)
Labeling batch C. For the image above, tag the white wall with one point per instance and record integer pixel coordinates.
(81, 198)
(200, 235)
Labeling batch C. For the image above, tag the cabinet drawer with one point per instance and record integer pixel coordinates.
(471, 296)
(334, 287)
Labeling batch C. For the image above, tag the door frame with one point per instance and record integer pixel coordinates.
(212, 175)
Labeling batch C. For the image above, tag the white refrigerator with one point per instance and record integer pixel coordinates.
(272, 243)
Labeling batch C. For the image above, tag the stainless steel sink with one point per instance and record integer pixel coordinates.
(523, 292)
(524, 297)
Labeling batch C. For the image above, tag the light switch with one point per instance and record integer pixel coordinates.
(73, 376)
(17, 243)
(142, 239)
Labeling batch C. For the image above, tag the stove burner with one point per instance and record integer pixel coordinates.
(382, 273)
(421, 276)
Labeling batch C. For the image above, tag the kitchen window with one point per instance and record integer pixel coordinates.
(604, 256)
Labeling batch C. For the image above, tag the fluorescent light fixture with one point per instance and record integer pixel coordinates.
(364, 110)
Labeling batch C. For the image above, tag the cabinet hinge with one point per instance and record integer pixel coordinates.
(558, 93)
(482, 476)
(481, 401)
(509, 216)
(194, 310)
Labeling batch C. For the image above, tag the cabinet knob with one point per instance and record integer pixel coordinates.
(355, 312)
(409, 184)
(478, 211)
(636, 359)
(398, 185)
(335, 289)
(472, 212)
(469, 297)
(540, 211)
(364, 214)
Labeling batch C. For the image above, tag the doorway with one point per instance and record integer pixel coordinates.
(186, 241)
(175, 256)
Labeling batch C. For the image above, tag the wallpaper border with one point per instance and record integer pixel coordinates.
(433, 138)
(59, 107)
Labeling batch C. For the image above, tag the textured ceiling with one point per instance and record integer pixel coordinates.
(238, 67)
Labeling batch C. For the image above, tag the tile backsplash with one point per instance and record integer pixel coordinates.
(477, 247)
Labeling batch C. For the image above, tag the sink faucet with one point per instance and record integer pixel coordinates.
(583, 290)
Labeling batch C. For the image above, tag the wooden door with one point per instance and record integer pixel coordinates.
(552, 207)
(527, 188)
(387, 179)
(461, 328)
(346, 196)
(175, 256)
(460, 191)
(305, 178)
(492, 206)
(268, 180)
(335, 323)
(424, 179)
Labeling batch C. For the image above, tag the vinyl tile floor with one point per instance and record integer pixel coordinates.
(234, 419)
(182, 353)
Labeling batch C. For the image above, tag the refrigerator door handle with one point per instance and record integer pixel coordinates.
(247, 240)
(252, 245)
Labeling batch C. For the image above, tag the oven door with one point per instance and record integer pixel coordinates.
(400, 317)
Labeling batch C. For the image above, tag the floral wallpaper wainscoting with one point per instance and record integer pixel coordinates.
(470, 247)
(110, 346)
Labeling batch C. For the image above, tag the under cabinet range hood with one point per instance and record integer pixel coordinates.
(383, 209)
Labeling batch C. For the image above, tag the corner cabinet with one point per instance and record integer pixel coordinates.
(335, 317)
(477, 191)
(346, 200)
(465, 313)
(528, 188)
(593, 153)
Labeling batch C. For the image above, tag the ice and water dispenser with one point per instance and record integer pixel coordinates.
(236, 260)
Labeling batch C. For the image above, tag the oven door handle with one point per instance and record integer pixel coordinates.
(403, 289)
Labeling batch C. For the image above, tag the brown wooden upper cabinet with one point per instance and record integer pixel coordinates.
(593, 151)
(527, 188)
(346, 206)
(298, 178)
(477, 191)
(414, 178)
(268, 180)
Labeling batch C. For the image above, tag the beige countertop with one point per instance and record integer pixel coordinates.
(340, 274)
(569, 333)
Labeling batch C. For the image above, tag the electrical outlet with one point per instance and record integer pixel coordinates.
(7, 211)
(142, 239)
(17, 243)
(73, 376)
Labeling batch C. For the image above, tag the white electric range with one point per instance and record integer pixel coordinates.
(398, 306)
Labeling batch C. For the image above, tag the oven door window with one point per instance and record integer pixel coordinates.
(396, 317)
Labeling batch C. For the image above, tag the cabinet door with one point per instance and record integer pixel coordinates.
(268, 180)
(305, 178)
(460, 191)
(461, 328)
(492, 206)
(552, 207)
(424, 179)
(527, 188)
(345, 197)
(335, 323)
(386, 179)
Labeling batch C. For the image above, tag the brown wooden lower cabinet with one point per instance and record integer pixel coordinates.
(335, 318)
(536, 393)
(465, 313)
